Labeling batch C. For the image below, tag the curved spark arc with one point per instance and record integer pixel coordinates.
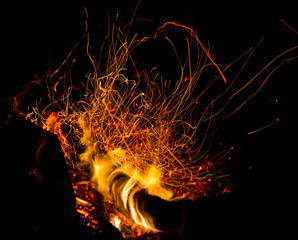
(193, 34)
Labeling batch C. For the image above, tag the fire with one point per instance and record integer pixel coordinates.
(105, 172)
(121, 184)
(116, 222)
(124, 138)
(120, 138)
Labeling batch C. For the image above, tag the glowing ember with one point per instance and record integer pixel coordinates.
(121, 138)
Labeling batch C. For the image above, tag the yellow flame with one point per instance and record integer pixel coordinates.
(116, 221)
(105, 175)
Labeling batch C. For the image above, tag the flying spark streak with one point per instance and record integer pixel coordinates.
(289, 26)
(193, 34)
(262, 128)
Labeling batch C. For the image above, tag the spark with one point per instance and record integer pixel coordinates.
(289, 26)
(193, 34)
(262, 128)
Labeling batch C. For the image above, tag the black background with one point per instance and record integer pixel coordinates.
(37, 37)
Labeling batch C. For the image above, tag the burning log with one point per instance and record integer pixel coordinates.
(47, 202)
(49, 206)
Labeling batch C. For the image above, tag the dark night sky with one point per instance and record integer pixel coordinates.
(39, 36)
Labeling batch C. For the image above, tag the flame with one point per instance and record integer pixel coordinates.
(105, 172)
(122, 184)
(116, 222)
